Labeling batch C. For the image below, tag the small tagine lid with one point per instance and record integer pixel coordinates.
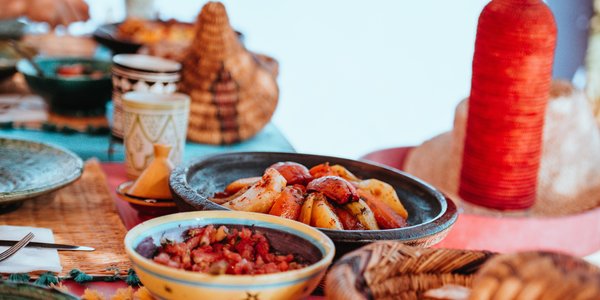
(153, 183)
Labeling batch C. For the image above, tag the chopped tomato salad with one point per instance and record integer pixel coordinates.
(225, 251)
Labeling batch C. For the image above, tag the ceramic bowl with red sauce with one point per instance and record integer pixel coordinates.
(293, 259)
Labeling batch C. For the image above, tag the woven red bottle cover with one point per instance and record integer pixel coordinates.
(512, 70)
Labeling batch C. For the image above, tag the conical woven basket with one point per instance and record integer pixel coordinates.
(392, 270)
(233, 91)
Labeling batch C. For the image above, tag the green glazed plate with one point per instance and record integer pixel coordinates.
(29, 169)
(22, 291)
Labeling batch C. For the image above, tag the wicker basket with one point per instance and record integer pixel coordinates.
(391, 270)
(536, 275)
(234, 92)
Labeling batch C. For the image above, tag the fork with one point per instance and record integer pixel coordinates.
(16, 247)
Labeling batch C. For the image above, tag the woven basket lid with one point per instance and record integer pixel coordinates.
(233, 91)
(536, 275)
(392, 270)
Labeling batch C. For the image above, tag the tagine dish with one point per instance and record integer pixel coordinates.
(150, 32)
(325, 196)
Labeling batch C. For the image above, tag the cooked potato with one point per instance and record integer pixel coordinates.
(344, 173)
(241, 183)
(323, 215)
(307, 208)
(261, 195)
(384, 192)
(363, 213)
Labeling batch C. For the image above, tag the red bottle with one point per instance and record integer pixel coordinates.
(512, 73)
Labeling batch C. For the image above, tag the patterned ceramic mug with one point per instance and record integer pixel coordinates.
(153, 118)
(140, 73)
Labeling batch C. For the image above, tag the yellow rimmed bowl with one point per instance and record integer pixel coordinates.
(285, 236)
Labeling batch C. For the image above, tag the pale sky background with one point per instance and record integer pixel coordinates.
(355, 76)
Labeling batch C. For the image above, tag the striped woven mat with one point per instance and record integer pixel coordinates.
(82, 213)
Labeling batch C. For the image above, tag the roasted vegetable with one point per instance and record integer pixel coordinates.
(323, 215)
(349, 221)
(321, 170)
(307, 207)
(237, 185)
(344, 173)
(261, 195)
(222, 198)
(294, 173)
(289, 203)
(335, 188)
(384, 192)
(361, 211)
(325, 169)
(385, 216)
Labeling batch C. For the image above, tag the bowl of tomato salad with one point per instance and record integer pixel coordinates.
(228, 255)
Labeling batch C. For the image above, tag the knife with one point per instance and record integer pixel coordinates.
(50, 246)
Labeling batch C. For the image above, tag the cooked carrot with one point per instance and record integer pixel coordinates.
(289, 203)
(321, 170)
(386, 217)
(349, 221)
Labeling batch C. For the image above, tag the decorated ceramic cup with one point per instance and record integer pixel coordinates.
(140, 73)
(153, 119)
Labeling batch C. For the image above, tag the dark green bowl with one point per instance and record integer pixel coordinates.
(79, 96)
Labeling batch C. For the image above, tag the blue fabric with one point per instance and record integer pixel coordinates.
(88, 146)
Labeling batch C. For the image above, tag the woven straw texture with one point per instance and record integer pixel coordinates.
(536, 275)
(234, 91)
(512, 73)
(391, 270)
(82, 213)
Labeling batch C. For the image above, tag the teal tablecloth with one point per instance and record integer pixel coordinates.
(88, 146)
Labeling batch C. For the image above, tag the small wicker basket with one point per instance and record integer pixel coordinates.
(391, 270)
